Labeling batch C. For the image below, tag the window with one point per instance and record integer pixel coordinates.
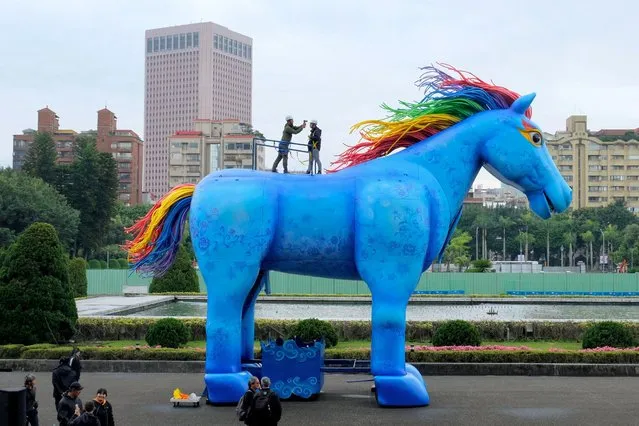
(633, 198)
(617, 177)
(250, 52)
(192, 169)
(632, 167)
(214, 157)
(565, 158)
(215, 46)
(162, 43)
(633, 177)
(615, 167)
(567, 178)
(594, 178)
(124, 166)
(617, 157)
(149, 45)
(175, 42)
(565, 168)
(189, 39)
(125, 176)
(156, 44)
(597, 157)
(617, 188)
(182, 41)
(229, 146)
(169, 43)
(244, 49)
(193, 144)
(595, 146)
(196, 39)
(226, 44)
(597, 199)
(124, 145)
(192, 158)
(565, 146)
(596, 167)
(597, 188)
(633, 157)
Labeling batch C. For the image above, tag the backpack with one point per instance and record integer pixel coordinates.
(241, 415)
(261, 407)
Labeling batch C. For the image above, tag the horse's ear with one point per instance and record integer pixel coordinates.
(523, 103)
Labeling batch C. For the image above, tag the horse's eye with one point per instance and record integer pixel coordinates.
(536, 137)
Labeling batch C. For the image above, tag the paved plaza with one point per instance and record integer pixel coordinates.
(143, 399)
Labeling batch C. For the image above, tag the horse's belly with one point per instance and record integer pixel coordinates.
(314, 234)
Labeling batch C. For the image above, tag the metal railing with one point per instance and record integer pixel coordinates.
(272, 143)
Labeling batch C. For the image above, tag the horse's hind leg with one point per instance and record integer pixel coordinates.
(248, 318)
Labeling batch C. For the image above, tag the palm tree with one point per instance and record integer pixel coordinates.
(483, 221)
(569, 239)
(588, 237)
(505, 222)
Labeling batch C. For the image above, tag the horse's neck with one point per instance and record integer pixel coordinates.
(453, 157)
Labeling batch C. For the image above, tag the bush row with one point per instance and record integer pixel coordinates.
(44, 352)
(416, 331)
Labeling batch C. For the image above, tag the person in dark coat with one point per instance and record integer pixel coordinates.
(290, 129)
(103, 408)
(67, 372)
(70, 406)
(266, 408)
(32, 403)
(247, 400)
(87, 418)
(314, 146)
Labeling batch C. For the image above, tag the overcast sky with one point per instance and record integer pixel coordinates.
(335, 61)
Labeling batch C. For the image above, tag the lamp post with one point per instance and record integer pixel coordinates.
(603, 251)
(562, 255)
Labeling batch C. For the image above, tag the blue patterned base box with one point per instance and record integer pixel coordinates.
(294, 370)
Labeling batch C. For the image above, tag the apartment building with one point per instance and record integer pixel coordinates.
(196, 71)
(213, 145)
(124, 145)
(601, 166)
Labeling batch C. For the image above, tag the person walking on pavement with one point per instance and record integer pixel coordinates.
(289, 130)
(314, 145)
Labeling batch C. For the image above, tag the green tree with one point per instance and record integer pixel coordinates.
(36, 301)
(78, 276)
(457, 250)
(90, 184)
(25, 200)
(41, 157)
(180, 278)
(588, 237)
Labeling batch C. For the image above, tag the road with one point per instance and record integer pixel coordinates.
(143, 399)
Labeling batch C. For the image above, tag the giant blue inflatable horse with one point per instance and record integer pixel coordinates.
(381, 218)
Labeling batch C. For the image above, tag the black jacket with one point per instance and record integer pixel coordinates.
(32, 404)
(247, 401)
(315, 139)
(86, 419)
(66, 409)
(64, 374)
(276, 410)
(104, 413)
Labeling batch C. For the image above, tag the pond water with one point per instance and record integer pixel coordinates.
(474, 312)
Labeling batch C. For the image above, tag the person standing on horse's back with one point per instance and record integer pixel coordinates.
(289, 130)
(266, 408)
(314, 145)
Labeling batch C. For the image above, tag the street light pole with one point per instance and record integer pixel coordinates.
(562, 255)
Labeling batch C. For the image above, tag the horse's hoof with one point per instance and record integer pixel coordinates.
(226, 388)
(408, 390)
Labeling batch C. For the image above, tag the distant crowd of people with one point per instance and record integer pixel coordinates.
(314, 145)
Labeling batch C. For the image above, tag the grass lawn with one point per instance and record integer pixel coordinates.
(358, 344)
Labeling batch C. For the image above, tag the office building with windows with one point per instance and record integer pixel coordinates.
(601, 166)
(197, 71)
(213, 145)
(124, 145)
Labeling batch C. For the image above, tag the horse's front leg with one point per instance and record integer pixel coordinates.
(390, 246)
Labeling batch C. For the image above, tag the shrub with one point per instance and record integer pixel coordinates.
(314, 329)
(78, 277)
(181, 277)
(36, 301)
(456, 333)
(124, 264)
(607, 333)
(114, 264)
(103, 264)
(168, 333)
(94, 264)
(480, 265)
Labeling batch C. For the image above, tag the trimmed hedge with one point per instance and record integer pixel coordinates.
(457, 333)
(123, 328)
(608, 333)
(565, 357)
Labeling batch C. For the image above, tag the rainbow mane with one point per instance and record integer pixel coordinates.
(156, 242)
(447, 101)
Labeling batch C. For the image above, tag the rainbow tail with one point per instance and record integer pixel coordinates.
(158, 234)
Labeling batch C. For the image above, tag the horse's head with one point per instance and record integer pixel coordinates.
(517, 155)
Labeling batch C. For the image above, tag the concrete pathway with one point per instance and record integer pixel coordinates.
(143, 399)
(105, 305)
